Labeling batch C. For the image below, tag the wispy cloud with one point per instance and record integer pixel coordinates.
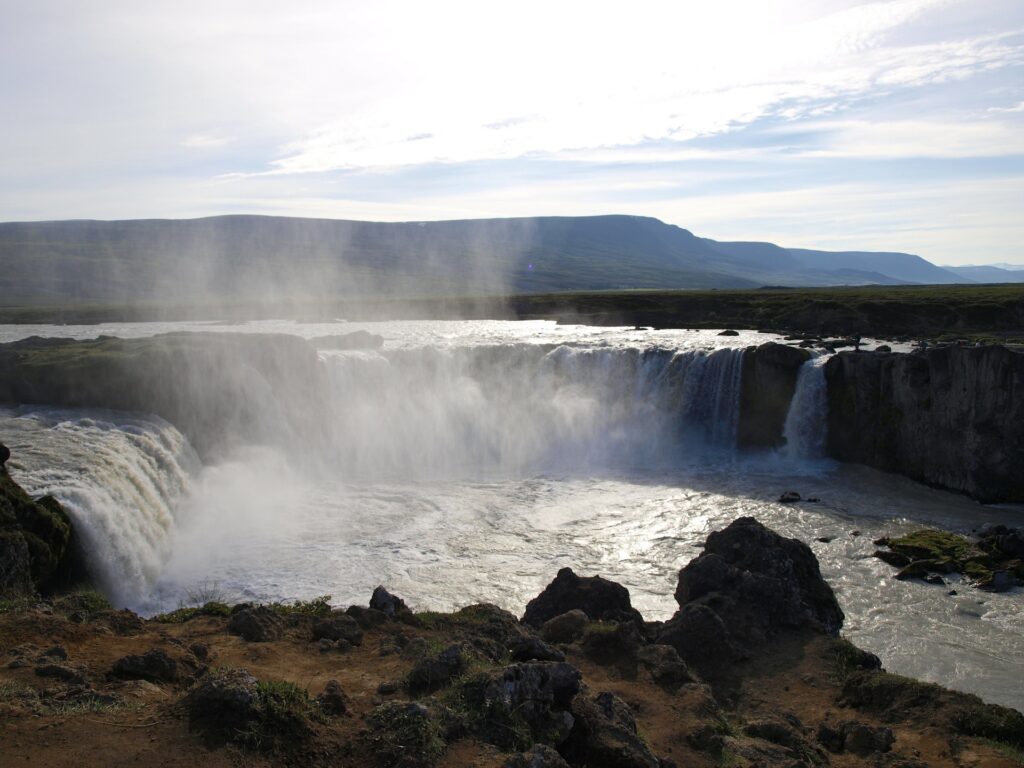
(205, 141)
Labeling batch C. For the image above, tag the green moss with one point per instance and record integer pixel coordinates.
(931, 544)
(181, 615)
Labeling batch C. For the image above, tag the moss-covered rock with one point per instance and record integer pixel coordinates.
(929, 551)
(34, 534)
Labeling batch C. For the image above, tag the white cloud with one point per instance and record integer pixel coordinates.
(1018, 107)
(204, 141)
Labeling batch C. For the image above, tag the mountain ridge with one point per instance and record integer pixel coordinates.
(247, 256)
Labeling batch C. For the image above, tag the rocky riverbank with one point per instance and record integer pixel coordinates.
(751, 671)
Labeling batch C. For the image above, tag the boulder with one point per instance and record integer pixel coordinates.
(600, 599)
(338, 626)
(532, 648)
(223, 703)
(613, 643)
(747, 586)
(154, 665)
(666, 667)
(536, 696)
(605, 734)
(434, 672)
(388, 604)
(258, 624)
(565, 627)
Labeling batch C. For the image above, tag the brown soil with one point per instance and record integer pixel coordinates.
(152, 728)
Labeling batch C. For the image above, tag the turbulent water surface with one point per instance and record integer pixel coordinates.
(471, 460)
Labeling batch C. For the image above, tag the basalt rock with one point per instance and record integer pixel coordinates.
(749, 585)
(390, 605)
(257, 625)
(769, 380)
(600, 599)
(36, 540)
(155, 666)
(951, 417)
(605, 734)
(338, 626)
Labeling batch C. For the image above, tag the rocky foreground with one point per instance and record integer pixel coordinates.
(751, 671)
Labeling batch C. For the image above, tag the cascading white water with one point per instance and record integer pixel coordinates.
(514, 409)
(121, 478)
(806, 424)
(469, 461)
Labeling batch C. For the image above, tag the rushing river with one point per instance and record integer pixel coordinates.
(471, 460)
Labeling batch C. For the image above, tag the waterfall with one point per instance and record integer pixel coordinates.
(119, 476)
(806, 422)
(430, 412)
(146, 508)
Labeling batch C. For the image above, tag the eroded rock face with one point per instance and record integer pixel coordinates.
(747, 586)
(952, 416)
(769, 380)
(35, 538)
(598, 598)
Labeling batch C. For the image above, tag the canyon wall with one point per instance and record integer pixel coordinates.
(952, 417)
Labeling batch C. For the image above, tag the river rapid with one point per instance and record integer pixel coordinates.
(471, 460)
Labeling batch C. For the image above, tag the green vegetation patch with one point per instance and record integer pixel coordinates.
(318, 606)
(282, 716)
(181, 615)
(403, 734)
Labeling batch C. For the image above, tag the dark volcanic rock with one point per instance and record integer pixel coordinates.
(605, 734)
(599, 598)
(565, 627)
(223, 703)
(951, 416)
(769, 380)
(155, 666)
(748, 585)
(537, 694)
(388, 604)
(257, 625)
(338, 626)
(35, 540)
(434, 672)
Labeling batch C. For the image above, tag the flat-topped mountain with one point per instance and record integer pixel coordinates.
(268, 257)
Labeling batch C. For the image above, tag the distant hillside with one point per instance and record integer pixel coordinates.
(273, 258)
(989, 274)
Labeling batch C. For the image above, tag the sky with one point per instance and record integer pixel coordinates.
(893, 126)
